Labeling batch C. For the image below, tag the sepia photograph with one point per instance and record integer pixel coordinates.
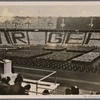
(50, 49)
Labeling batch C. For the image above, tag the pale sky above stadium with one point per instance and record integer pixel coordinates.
(50, 9)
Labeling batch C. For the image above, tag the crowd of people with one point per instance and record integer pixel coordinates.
(16, 88)
(74, 90)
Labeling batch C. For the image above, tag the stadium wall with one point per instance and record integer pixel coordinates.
(34, 38)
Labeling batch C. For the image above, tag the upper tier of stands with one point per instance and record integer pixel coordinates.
(80, 49)
(79, 23)
(87, 58)
(60, 56)
(29, 22)
(28, 53)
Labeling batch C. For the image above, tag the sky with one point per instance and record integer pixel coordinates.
(52, 9)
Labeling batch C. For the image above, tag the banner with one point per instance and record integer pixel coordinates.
(18, 37)
(36, 38)
(78, 23)
(94, 40)
(74, 38)
(4, 39)
(55, 37)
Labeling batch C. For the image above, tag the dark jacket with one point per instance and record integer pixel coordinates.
(4, 89)
(17, 89)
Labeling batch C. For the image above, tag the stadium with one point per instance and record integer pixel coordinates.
(58, 54)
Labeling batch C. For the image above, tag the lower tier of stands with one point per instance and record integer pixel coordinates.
(56, 65)
(36, 57)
